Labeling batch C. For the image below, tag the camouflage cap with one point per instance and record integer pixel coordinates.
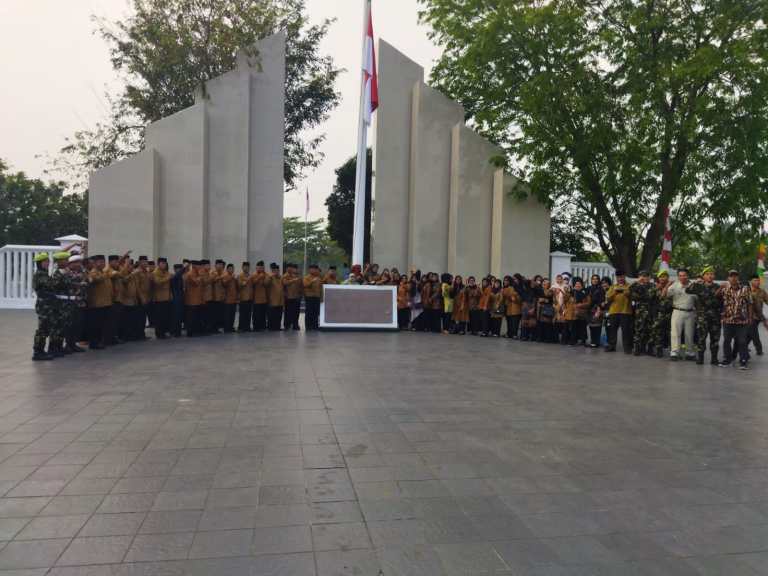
(710, 269)
(662, 273)
(41, 257)
(61, 256)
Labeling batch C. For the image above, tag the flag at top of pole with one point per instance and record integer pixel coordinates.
(666, 248)
(369, 101)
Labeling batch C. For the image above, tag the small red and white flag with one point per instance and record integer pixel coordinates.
(369, 74)
(666, 248)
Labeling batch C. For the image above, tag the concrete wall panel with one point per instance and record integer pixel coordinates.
(391, 156)
(123, 206)
(525, 234)
(474, 176)
(180, 144)
(434, 117)
(267, 135)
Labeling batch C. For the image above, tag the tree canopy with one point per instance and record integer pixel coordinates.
(34, 212)
(341, 206)
(619, 108)
(321, 249)
(167, 49)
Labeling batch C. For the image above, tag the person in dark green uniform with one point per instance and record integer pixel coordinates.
(709, 306)
(42, 284)
(641, 293)
(62, 289)
(662, 321)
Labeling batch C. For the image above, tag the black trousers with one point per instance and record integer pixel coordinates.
(437, 317)
(177, 317)
(291, 319)
(476, 321)
(486, 321)
(161, 318)
(229, 310)
(97, 319)
(494, 326)
(218, 316)
(513, 326)
(446, 321)
(623, 321)
(577, 331)
(259, 317)
(735, 334)
(594, 334)
(403, 318)
(193, 320)
(75, 328)
(125, 330)
(545, 332)
(275, 314)
(753, 337)
(244, 316)
(112, 329)
(311, 312)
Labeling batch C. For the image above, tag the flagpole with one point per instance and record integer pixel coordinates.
(306, 220)
(358, 232)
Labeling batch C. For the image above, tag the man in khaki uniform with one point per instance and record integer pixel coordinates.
(313, 291)
(144, 295)
(219, 295)
(231, 292)
(260, 282)
(161, 299)
(292, 285)
(113, 270)
(206, 312)
(275, 298)
(193, 299)
(99, 302)
(245, 295)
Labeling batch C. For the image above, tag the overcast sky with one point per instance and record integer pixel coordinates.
(54, 71)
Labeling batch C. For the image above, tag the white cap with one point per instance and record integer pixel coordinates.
(75, 258)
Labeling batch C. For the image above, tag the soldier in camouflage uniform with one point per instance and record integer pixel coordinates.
(708, 308)
(662, 308)
(75, 306)
(61, 285)
(42, 285)
(640, 294)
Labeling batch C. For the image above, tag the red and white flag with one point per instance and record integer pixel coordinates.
(666, 248)
(369, 74)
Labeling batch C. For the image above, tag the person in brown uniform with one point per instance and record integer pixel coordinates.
(245, 295)
(513, 307)
(460, 314)
(161, 299)
(218, 311)
(759, 300)
(260, 282)
(114, 322)
(231, 292)
(472, 296)
(403, 303)
(193, 299)
(619, 314)
(275, 298)
(129, 301)
(496, 309)
(313, 291)
(331, 277)
(206, 311)
(485, 293)
(292, 284)
(425, 290)
(144, 295)
(99, 302)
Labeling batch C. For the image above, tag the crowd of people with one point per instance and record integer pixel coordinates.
(107, 301)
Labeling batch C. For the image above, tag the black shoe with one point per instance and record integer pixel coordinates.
(96, 347)
(75, 348)
(743, 366)
(714, 362)
(759, 352)
(610, 349)
(724, 364)
(659, 352)
(674, 357)
(700, 358)
(38, 356)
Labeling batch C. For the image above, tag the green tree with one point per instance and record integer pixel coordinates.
(624, 106)
(321, 249)
(341, 206)
(34, 212)
(167, 49)
(724, 247)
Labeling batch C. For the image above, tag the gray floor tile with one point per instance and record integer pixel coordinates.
(345, 536)
(95, 550)
(50, 527)
(31, 553)
(221, 543)
(281, 540)
(124, 524)
(158, 547)
(347, 563)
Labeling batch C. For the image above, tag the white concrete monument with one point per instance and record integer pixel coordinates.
(440, 204)
(209, 183)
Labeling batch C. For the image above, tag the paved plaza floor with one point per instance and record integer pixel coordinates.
(375, 454)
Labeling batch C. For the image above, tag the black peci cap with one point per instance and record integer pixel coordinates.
(114, 257)
(260, 263)
(274, 266)
(144, 258)
(246, 263)
(162, 260)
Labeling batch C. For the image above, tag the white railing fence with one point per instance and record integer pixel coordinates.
(17, 267)
(585, 270)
